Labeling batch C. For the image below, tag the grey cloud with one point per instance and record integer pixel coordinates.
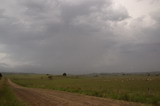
(117, 15)
(56, 37)
(69, 12)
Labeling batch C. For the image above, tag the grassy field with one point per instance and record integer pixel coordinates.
(7, 98)
(136, 88)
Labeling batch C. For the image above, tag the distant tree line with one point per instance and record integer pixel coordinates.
(51, 76)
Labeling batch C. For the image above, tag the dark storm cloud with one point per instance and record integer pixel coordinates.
(76, 37)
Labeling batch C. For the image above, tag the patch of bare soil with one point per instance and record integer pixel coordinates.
(43, 97)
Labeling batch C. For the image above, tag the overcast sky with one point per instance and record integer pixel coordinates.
(79, 36)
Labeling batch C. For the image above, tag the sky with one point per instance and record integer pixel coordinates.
(79, 36)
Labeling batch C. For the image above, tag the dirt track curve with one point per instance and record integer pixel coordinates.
(42, 97)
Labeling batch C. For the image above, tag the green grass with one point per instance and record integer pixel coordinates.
(7, 98)
(129, 88)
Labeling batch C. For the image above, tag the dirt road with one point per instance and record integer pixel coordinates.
(42, 97)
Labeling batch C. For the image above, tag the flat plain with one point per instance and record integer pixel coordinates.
(132, 88)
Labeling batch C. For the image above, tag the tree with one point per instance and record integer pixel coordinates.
(50, 77)
(123, 74)
(64, 74)
(0, 76)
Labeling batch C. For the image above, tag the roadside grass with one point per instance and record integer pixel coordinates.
(135, 88)
(7, 98)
